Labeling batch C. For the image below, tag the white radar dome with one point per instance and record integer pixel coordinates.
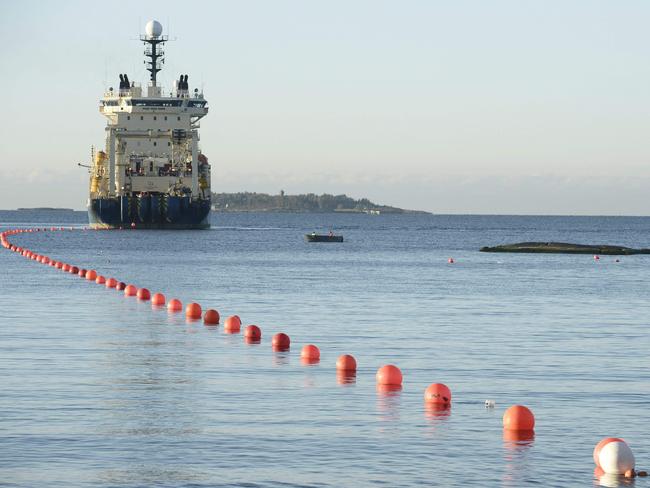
(153, 29)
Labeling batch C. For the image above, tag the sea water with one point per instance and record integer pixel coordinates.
(100, 390)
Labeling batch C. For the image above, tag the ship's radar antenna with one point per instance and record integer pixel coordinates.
(153, 29)
(154, 40)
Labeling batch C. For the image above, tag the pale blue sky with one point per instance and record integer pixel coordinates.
(453, 107)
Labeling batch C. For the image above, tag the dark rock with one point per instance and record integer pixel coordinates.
(565, 248)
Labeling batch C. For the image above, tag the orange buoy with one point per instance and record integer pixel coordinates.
(74, 270)
(596, 257)
(158, 299)
(120, 286)
(389, 375)
(211, 317)
(310, 351)
(111, 283)
(130, 291)
(253, 332)
(82, 273)
(45, 260)
(58, 265)
(100, 280)
(232, 324)
(437, 393)
(281, 342)
(65, 267)
(518, 417)
(450, 260)
(602, 444)
(174, 305)
(346, 362)
(143, 294)
(309, 361)
(91, 275)
(193, 311)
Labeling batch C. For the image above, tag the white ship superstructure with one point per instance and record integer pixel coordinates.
(152, 173)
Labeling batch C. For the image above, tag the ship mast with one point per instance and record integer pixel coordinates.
(154, 41)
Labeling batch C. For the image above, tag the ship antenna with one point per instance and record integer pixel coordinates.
(154, 41)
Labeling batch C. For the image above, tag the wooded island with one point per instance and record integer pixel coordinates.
(304, 203)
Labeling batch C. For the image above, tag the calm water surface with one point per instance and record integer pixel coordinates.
(99, 390)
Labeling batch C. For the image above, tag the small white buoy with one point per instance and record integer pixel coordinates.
(490, 403)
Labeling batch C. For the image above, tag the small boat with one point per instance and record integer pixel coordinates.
(313, 237)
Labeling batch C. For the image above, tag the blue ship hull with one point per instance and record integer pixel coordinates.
(149, 212)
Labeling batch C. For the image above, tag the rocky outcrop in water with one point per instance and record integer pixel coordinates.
(565, 248)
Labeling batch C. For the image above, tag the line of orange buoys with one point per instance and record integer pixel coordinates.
(612, 456)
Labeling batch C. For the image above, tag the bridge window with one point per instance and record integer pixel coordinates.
(141, 102)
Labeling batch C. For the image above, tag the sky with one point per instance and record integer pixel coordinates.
(464, 106)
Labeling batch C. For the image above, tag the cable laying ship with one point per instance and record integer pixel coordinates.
(151, 174)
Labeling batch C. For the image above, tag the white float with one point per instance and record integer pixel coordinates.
(616, 457)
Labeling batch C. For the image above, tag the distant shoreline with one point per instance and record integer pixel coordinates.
(344, 211)
(402, 211)
(46, 209)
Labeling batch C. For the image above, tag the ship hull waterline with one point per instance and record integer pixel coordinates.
(149, 212)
